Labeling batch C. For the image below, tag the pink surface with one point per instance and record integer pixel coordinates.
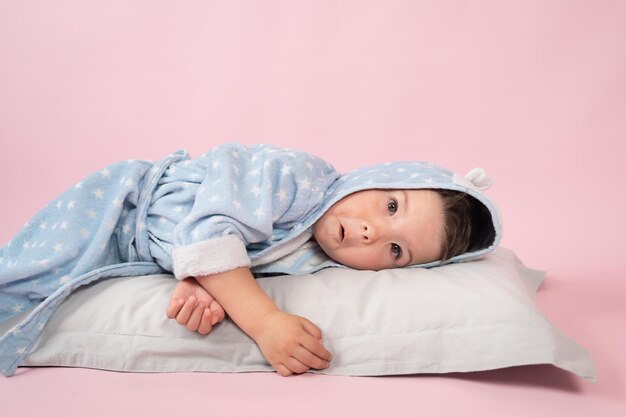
(532, 91)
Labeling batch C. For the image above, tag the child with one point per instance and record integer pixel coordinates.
(237, 211)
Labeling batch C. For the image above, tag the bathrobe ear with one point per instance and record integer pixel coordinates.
(479, 179)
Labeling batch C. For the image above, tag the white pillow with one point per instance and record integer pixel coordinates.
(456, 318)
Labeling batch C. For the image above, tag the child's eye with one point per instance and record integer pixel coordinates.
(392, 206)
(396, 251)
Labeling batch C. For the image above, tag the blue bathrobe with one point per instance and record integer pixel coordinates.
(234, 206)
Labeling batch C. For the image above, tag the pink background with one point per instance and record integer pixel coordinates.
(533, 91)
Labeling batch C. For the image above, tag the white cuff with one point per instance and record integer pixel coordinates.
(210, 257)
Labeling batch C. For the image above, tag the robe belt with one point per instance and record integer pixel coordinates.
(139, 249)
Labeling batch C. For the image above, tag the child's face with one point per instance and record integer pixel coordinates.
(381, 229)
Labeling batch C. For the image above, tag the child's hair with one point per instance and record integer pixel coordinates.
(467, 224)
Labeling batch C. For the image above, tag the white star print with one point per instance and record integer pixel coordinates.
(106, 173)
(21, 351)
(309, 165)
(84, 233)
(117, 202)
(59, 204)
(64, 279)
(44, 262)
(63, 225)
(237, 204)
(254, 173)
(255, 190)
(305, 184)
(71, 204)
(18, 308)
(98, 193)
(91, 214)
(79, 185)
(43, 225)
(216, 164)
(178, 209)
(282, 195)
(126, 229)
(15, 330)
(286, 170)
(259, 212)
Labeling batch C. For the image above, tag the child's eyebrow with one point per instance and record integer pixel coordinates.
(406, 208)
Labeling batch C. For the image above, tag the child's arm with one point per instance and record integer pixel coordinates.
(290, 343)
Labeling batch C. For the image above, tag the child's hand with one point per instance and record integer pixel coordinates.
(192, 306)
(291, 344)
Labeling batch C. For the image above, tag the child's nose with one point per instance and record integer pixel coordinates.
(371, 232)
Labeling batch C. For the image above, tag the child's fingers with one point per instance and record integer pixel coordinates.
(311, 329)
(196, 316)
(217, 312)
(295, 366)
(283, 370)
(314, 344)
(309, 359)
(174, 307)
(183, 315)
(206, 326)
(316, 347)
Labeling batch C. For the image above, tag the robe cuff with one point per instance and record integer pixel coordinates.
(209, 257)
